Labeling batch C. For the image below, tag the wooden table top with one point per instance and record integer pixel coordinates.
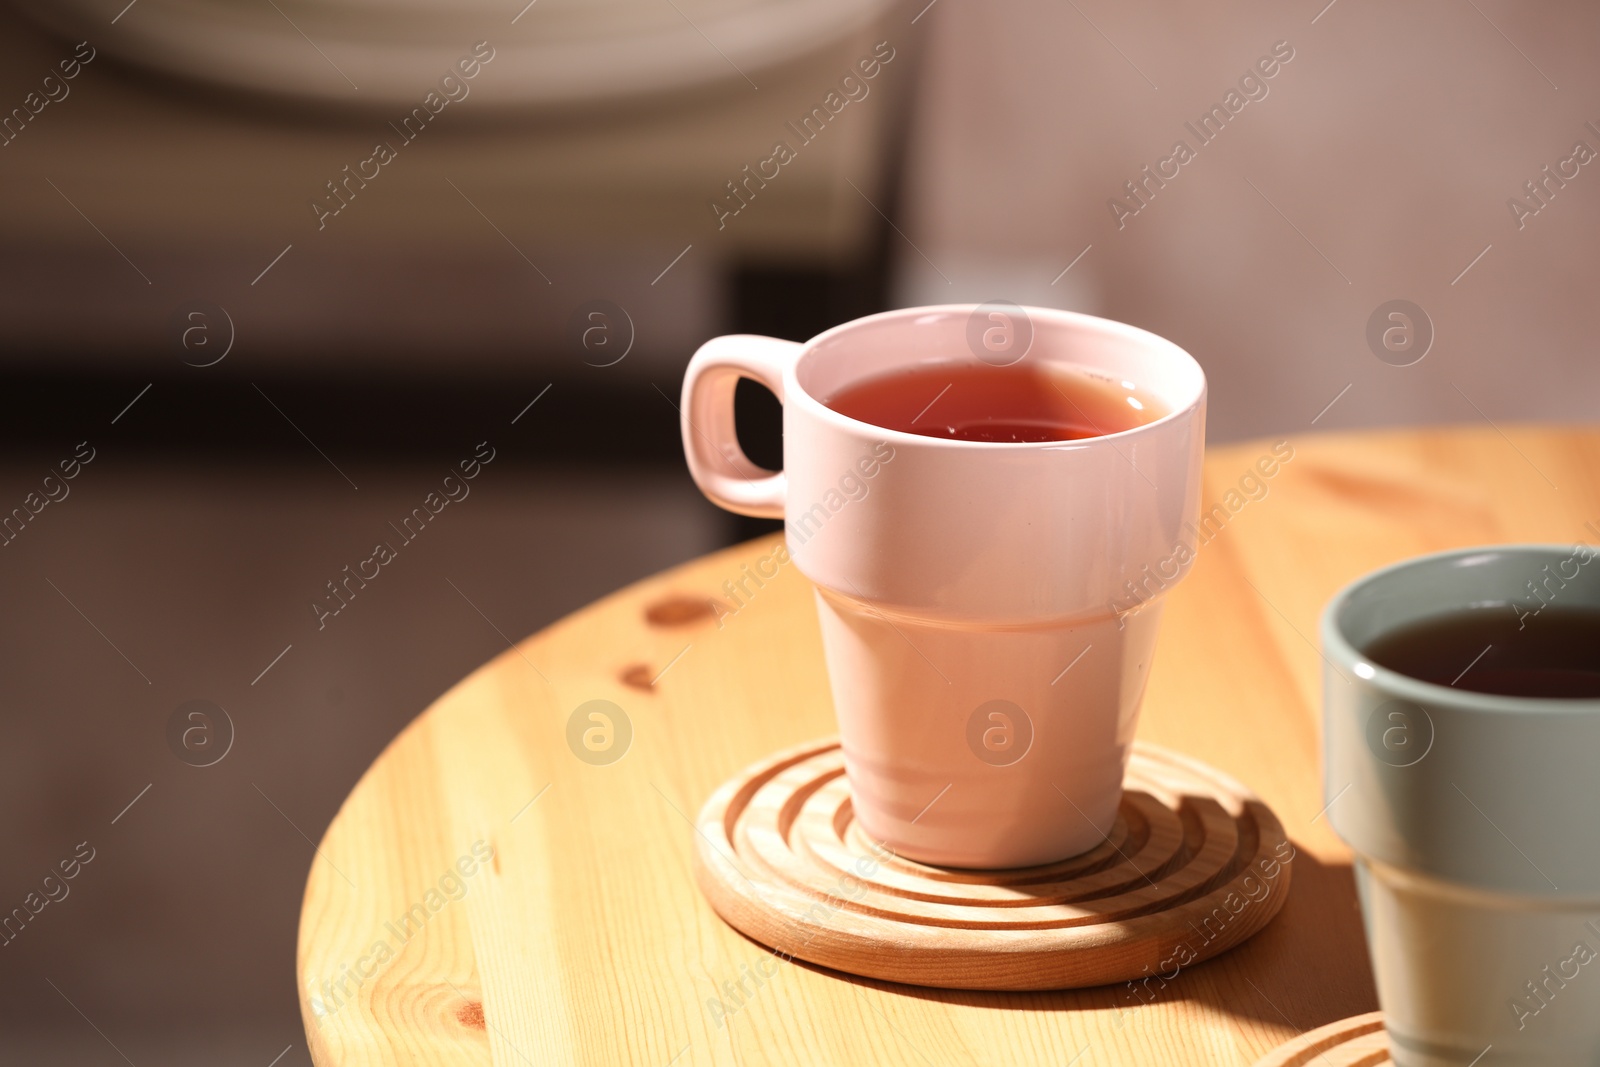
(583, 940)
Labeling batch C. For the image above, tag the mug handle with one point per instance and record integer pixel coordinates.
(710, 443)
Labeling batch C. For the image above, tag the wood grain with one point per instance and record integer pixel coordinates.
(1357, 1042)
(1193, 865)
(585, 939)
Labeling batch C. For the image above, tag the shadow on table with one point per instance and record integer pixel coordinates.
(1307, 967)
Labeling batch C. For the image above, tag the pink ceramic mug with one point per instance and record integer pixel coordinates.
(988, 610)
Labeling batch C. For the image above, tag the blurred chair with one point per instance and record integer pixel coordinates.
(581, 161)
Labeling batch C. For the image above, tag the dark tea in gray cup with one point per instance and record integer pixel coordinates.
(1487, 649)
(1462, 767)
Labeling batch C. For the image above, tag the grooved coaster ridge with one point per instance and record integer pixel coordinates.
(1355, 1042)
(1194, 865)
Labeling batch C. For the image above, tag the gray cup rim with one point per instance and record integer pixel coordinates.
(1429, 694)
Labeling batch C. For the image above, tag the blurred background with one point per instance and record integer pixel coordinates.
(276, 267)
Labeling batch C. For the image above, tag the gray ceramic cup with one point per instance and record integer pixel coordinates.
(1474, 819)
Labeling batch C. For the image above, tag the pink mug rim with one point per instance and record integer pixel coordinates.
(1071, 319)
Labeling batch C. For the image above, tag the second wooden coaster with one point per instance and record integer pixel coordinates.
(1194, 865)
(1355, 1042)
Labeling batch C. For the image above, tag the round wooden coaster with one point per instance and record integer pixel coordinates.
(1355, 1042)
(1194, 865)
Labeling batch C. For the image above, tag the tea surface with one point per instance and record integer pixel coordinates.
(1025, 402)
(1556, 653)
